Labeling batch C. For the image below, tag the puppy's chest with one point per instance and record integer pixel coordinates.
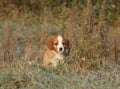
(58, 56)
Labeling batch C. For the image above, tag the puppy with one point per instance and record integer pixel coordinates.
(57, 49)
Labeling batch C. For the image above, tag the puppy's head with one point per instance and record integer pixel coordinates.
(58, 44)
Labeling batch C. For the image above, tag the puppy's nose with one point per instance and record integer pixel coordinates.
(60, 48)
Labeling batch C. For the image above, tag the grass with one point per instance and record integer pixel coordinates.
(23, 37)
(36, 77)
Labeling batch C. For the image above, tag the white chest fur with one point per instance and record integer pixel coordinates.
(58, 58)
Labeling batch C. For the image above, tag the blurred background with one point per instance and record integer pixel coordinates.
(92, 26)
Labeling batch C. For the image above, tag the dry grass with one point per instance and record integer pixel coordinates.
(93, 60)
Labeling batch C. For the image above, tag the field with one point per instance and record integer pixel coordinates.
(94, 33)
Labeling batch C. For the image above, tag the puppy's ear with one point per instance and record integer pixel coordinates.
(50, 43)
(67, 47)
(67, 44)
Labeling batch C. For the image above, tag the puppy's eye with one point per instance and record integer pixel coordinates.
(63, 43)
(55, 43)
